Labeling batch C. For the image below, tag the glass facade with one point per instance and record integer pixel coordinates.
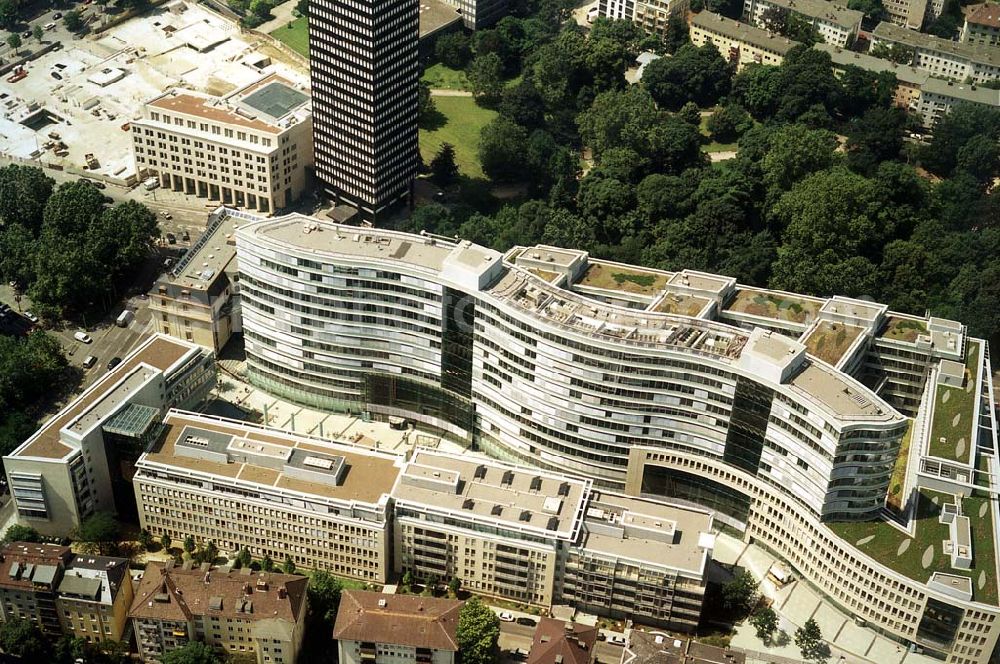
(939, 624)
(660, 482)
(748, 425)
(456, 346)
(419, 398)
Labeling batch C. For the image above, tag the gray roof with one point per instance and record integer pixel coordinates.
(904, 74)
(960, 92)
(275, 99)
(742, 32)
(44, 574)
(80, 586)
(824, 11)
(979, 53)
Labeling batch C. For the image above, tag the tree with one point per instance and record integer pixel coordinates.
(14, 41)
(693, 74)
(195, 652)
(189, 543)
(729, 123)
(407, 580)
(606, 61)
(502, 145)
(873, 10)
(9, 14)
(765, 621)
(524, 105)
(875, 137)
(453, 50)
(478, 633)
(795, 151)
(619, 119)
(98, 533)
(165, 541)
(980, 158)
(266, 563)
(23, 639)
(898, 53)
(324, 596)
(243, 558)
(740, 595)
(454, 585)
(73, 21)
(19, 533)
(425, 102)
(485, 74)
(809, 639)
(953, 131)
(24, 191)
(444, 170)
(690, 113)
(775, 19)
(676, 34)
(145, 539)
(288, 567)
(302, 7)
(38, 32)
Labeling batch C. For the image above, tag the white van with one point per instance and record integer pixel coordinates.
(50, 26)
(124, 318)
(151, 183)
(82, 337)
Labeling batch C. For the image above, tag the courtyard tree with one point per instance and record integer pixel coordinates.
(809, 639)
(24, 640)
(740, 595)
(195, 652)
(288, 567)
(444, 170)
(478, 633)
(19, 533)
(165, 541)
(765, 621)
(324, 596)
(98, 533)
(73, 21)
(14, 41)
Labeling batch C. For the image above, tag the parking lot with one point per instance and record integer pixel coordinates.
(78, 100)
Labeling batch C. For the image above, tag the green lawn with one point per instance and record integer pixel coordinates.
(896, 482)
(460, 122)
(444, 78)
(929, 532)
(712, 146)
(295, 34)
(960, 402)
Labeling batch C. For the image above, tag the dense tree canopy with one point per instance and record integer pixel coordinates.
(478, 633)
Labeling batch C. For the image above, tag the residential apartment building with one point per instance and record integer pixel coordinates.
(909, 80)
(739, 43)
(86, 597)
(543, 538)
(249, 149)
(938, 97)
(982, 24)
(653, 15)
(560, 642)
(241, 612)
(943, 58)
(364, 71)
(197, 299)
(375, 628)
(276, 493)
(783, 413)
(652, 647)
(907, 13)
(81, 460)
(834, 22)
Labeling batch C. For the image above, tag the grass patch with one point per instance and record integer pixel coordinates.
(460, 123)
(952, 402)
(295, 35)
(829, 341)
(898, 477)
(643, 280)
(772, 305)
(630, 281)
(887, 540)
(904, 329)
(445, 78)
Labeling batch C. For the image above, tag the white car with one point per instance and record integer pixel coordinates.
(616, 639)
(506, 616)
(82, 337)
(30, 316)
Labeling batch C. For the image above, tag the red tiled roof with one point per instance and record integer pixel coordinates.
(561, 641)
(419, 622)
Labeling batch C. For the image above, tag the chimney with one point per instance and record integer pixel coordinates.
(282, 593)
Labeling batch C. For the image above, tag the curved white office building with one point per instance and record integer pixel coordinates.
(802, 422)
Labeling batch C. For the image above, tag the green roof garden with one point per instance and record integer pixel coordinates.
(625, 279)
(903, 329)
(829, 341)
(678, 303)
(776, 306)
(954, 419)
(898, 478)
(920, 556)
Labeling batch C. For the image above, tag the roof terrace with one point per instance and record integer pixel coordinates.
(613, 277)
(921, 555)
(899, 328)
(955, 409)
(775, 305)
(829, 341)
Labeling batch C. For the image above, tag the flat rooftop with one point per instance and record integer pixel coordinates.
(975, 94)
(646, 531)
(435, 16)
(902, 328)
(979, 53)
(494, 493)
(275, 99)
(775, 305)
(843, 57)
(955, 415)
(843, 396)
(626, 279)
(209, 255)
(743, 32)
(327, 238)
(829, 341)
(365, 477)
(160, 352)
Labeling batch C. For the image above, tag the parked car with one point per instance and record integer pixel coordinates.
(82, 337)
(186, 236)
(526, 621)
(114, 362)
(56, 75)
(30, 316)
(616, 639)
(171, 238)
(89, 361)
(506, 616)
